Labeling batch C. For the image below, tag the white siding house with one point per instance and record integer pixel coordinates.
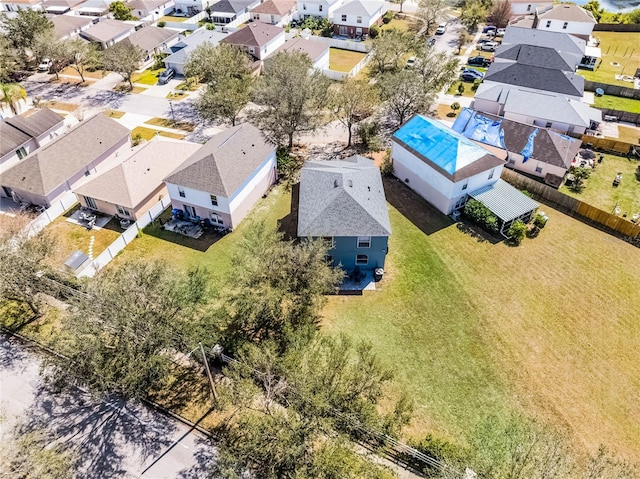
(318, 8)
(525, 7)
(354, 18)
(259, 39)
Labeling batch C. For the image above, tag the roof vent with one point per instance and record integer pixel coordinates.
(335, 183)
(350, 183)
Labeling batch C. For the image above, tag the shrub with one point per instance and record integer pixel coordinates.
(210, 26)
(162, 24)
(326, 28)
(539, 220)
(388, 16)
(136, 139)
(441, 450)
(387, 164)
(460, 88)
(158, 60)
(516, 232)
(368, 133)
(374, 31)
(455, 106)
(481, 215)
(476, 84)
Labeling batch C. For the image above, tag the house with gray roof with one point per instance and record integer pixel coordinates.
(70, 26)
(153, 9)
(60, 7)
(343, 201)
(355, 17)
(226, 11)
(50, 171)
(223, 180)
(561, 42)
(152, 40)
(318, 52)
(564, 18)
(129, 189)
(22, 134)
(108, 32)
(179, 52)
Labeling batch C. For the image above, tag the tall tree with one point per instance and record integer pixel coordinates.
(124, 59)
(594, 7)
(432, 12)
(404, 94)
(47, 45)
(501, 13)
(11, 94)
(388, 50)
(292, 97)
(22, 28)
(353, 101)
(225, 99)
(120, 11)
(9, 61)
(473, 12)
(436, 68)
(126, 329)
(83, 56)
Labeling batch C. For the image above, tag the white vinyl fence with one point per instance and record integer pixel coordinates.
(336, 75)
(47, 216)
(124, 239)
(333, 42)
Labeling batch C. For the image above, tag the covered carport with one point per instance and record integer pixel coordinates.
(506, 202)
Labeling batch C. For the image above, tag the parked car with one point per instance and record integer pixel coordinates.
(472, 71)
(18, 76)
(500, 32)
(431, 42)
(489, 46)
(479, 61)
(469, 77)
(441, 28)
(489, 28)
(166, 75)
(45, 65)
(411, 62)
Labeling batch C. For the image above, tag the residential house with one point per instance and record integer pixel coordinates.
(226, 11)
(534, 150)
(545, 109)
(60, 7)
(224, 179)
(318, 8)
(318, 52)
(259, 39)
(343, 201)
(564, 18)
(23, 134)
(150, 9)
(15, 5)
(354, 18)
(179, 53)
(524, 7)
(52, 170)
(108, 32)
(190, 7)
(440, 164)
(94, 8)
(70, 26)
(131, 188)
(275, 12)
(152, 40)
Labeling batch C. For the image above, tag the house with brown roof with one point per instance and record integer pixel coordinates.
(223, 180)
(23, 134)
(318, 52)
(60, 7)
(131, 188)
(108, 32)
(258, 39)
(275, 12)
(70, 26)
(152, 40)
(15, 5)
(52, 170)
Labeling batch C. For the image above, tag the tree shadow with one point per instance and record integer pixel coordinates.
(185, 386)
(107, 99)
(477, 233)
(11, 354)
(204, 459)
(289, 224)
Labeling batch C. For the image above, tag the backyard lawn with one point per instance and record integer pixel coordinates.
(601, 193)
(147, 77)
(620, 56)
(468, 88)
(617, 103)
(401, 24)
(343, 60)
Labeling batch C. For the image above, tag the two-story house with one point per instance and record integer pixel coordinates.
(343, 201)
(318, 8)
(275, 12)
(525, 7)
(564, 18)
(224, 179)
(354, 18)
(258, 39)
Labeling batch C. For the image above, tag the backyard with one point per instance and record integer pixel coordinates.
(343, 60)
(617, 103)
(620, 56)
(600, 192)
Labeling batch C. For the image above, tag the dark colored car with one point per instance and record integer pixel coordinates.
(471, 76)
(479, 61)
(489, 28)
(166, 75)
(18, 76)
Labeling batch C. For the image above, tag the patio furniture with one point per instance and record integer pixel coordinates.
(617, 179)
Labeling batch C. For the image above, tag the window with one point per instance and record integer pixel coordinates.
(123, 211)
(256, 16)
(548, 124)
(214, 200)
(215, 218)
(21, 152)
(331, 242)
(539, 168)
(548, 23)
(91, 203)
(364, 241)
(465, 185)
(362, 259)
(344, 18)
(190, 211)
(565, 25)
(358, 19)
(491, 173)
(319, 8)
(528, 8)
(460, 203)
(181, 192)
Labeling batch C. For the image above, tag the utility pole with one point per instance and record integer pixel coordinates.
(206, 365)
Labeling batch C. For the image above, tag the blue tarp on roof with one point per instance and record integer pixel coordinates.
(479, 128)
(527, 151)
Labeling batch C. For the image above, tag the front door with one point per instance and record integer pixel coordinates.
(190, 211)
(343, 30)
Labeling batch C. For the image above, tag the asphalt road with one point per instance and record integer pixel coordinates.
(112, 439)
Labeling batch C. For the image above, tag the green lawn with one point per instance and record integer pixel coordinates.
(617, 47)
(617, 103)
(600, 192)
(468, 89)
(147, 77)
(343, 60)
(169, 18)
(401, 24)
(148, 133)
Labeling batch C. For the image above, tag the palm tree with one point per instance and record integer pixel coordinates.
(11, 94)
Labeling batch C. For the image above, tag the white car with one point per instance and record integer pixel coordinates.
(489, 46)
(45, 65)
(411, 62)
(441, 28)
(500, 32)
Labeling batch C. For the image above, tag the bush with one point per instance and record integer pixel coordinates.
(158, 62)
(516, 232)
(162, 24)
(136, 139)
(326, 28)
(460, 88)
(387, 17)
(210, 26)
(387, 164)
(539, 221)
(441, 450)
(368, 133)
(374, 31)
(481, 215)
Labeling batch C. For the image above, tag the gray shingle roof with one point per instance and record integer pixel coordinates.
(314, 50)
(568, 13)
(561, 42)
(148, 38)
(504, 201)
(342, 198)
(50, 166)
(64, 25)
(534, 55)
(200, 36)
(231, 6)
(225, 162)
(538, 78)
(107, 30)
(12, 138)
(18, 130)
(359, 7)
(275, 7)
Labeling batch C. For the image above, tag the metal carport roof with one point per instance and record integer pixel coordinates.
(504, 201)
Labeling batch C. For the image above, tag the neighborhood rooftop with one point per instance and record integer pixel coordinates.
(535, 77)
(64, 25)
(35, 122)
(222, 164)
(359, 7)
(107, 30)
(192, 41)
(455, 156)
(315, 50)
(148, 38)
(342, 198)
(534, 55)
(544, 38)
(231, 6)
(275, 7)
(504, 201)
(256, 34)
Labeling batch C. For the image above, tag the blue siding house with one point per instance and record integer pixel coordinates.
(343, 201)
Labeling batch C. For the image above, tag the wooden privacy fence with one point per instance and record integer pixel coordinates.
(607, 144)
(616, 27)
(614, 90)
(590, 214)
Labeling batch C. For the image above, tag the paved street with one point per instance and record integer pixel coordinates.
(112, 439)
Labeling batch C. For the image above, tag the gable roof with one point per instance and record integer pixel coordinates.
(256, 34)
(534, 55)
(447, 151)
(342, 198)
(189, 43)
(231, 6)
(12, 138)
(148, 38)
(547, 146)
(360, 7)
(35, 122)
(561, 42)
(225, 162)
(314, 50)
(132, 181)
(535, 77)
(275, 7)
(146, 5)
(64, 25)
(567, 12)
(50, 166)
(107, 30)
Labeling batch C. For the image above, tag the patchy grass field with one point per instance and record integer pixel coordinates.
(59, 105)
(148, 133)
(96, 74)
(343, 60)
(402, 24)
(601, 193)
(468, 88)
(617, 103)
(180, 125)
(169, 18)
(114, 114)
(147, 77)
(620, 48)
